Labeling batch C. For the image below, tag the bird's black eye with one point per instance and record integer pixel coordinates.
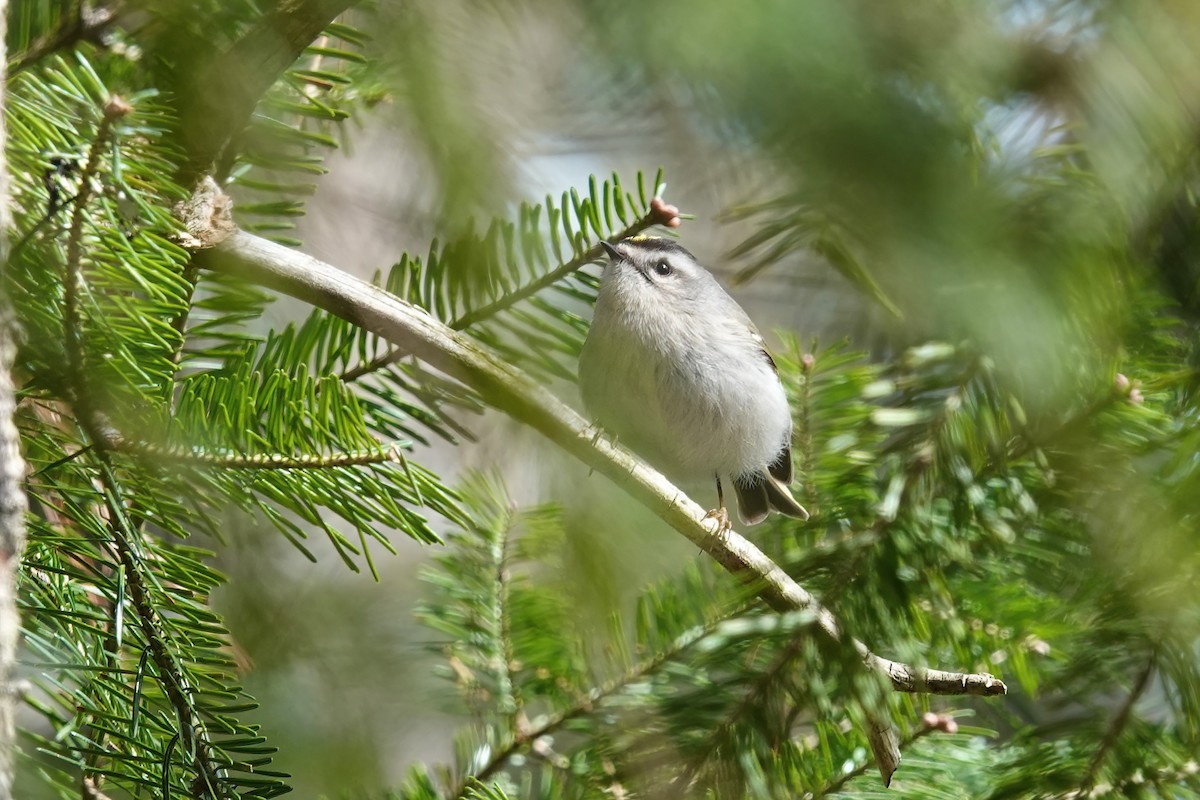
(662, 269)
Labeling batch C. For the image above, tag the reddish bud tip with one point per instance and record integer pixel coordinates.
(939, 722)
(807, 362)
(117, 107)
(664, 213)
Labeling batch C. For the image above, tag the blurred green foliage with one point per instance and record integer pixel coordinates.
(1003, 479)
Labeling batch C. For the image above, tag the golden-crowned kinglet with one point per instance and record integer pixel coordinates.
(674, 368)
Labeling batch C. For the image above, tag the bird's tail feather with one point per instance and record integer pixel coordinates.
(781, 499)
(753, 503)
(757, 496)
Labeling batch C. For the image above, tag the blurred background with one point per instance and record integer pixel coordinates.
(979, 218)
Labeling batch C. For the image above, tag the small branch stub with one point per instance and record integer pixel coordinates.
(207, 217)
(117, 107)
(909, 679)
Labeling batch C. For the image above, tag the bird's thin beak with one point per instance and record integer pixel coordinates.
(611, 249)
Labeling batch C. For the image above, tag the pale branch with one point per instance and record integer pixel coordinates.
(12, 474)
(12, 539)
(509, 389)
(507, 673)
(922, 680)
(659, 214)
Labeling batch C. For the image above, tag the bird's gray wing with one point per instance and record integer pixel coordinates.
(757, 340)
(781, 467)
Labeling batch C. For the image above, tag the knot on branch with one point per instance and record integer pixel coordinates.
(207, 217)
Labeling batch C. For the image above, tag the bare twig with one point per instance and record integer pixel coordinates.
(12, 542)
(922, 680)
(12, 473)
(507, 672)
(1117, 726)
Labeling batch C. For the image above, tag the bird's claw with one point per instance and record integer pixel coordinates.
(721, 515)
(599, 434)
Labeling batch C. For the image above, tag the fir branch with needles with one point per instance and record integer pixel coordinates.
(590, 704)
(194, 732)
(506, 388)
(602, 209)
(390, 454)
(123, 532)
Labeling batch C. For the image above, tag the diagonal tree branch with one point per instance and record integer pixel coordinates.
(517, 394)
(512, 391)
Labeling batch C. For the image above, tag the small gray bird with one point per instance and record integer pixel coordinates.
(674, 368)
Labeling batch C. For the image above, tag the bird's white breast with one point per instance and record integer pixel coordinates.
(696, 399)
